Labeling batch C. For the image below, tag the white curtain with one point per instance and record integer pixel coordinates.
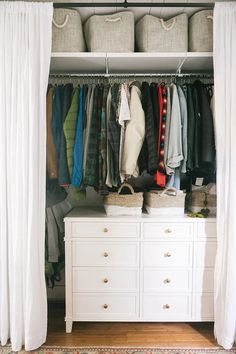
(25, 46)
(225, 122)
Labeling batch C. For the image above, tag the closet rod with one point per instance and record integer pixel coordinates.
(127, 4)
(61, 75)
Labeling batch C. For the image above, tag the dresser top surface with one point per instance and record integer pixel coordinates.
(96, 214)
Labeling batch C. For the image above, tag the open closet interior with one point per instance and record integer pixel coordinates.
(146, 119)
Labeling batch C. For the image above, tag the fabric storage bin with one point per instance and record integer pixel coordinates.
(201, 31)
(156, 35)
(169, 202)
(67, 31)
(110, 33)
(202, 199)
(124, 204)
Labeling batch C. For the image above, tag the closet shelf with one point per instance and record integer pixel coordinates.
(115, 63)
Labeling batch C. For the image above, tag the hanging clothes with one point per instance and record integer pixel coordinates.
(174, 152)
(57, 118)
(114, 133)
(54, 193)
(191, 130)
(51, 149)
(91, 170)
(70, 129)
(160, 176)
(156, 109)
(109, 177)
(207, 142)
(87, 123)
(184, 122)
(167, 126)
(134, 134)
(63, 171)
(148, 154)
(77, 176)
(102, 159)
(124, 118)
(197, 128)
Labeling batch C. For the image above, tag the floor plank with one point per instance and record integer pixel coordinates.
(127, 334)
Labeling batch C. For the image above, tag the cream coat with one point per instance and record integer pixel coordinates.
(134, 135)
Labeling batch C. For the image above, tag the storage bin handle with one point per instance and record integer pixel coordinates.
(172, 190)
(210, 17)
(126, 185)
(113, 19)
(63, 24)
(167, 28)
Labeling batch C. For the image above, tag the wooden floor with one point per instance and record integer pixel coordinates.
(127, 334)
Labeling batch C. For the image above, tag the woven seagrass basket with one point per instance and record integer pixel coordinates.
(124, 204)
(167, 202)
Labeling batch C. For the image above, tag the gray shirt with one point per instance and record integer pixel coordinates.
(184, 121)
(175, 151)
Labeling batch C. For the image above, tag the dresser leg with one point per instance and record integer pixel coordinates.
(69, 326)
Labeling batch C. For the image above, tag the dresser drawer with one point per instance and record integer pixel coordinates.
(168, 230)
(204, 307)
(204, 280)
(105, 254)
(167, 280)
(105, 306)
(205, 253)
(104, 229)
(206, 229)
(167, 254)
(167, 306)
(104, 280)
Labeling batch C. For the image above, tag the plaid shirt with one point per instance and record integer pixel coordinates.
(91, 170)
(114, 133)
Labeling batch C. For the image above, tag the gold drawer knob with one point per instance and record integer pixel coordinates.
(167, 281)
(105, 280)
(167, 254)
(105, 306)
(105, 229)
(166, 306)
(105, 254)
(168, 231)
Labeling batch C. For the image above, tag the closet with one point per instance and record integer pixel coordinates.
(136, 268)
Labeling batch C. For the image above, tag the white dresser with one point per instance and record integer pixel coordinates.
(138, 268)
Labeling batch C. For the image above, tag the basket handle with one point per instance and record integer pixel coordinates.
(172, 189)
(126, 185)
(113, 19)
(210, 17)
(167, 28)
(57, 25)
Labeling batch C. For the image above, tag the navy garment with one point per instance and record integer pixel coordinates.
(191, 129)
(63, 171)
(77, 177)
(57, 125)
(207, 152)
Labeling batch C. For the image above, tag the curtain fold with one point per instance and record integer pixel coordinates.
(25, 42)
(225, 127)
